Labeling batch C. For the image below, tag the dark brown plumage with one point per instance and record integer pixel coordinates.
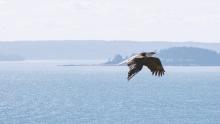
(136, 64)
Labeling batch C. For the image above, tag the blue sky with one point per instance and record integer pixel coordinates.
(143, 20)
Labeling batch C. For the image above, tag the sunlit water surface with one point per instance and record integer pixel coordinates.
(46, 93)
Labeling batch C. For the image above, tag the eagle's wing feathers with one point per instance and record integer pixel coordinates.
(155, 66)
(134, 67)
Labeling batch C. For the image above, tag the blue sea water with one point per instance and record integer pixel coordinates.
(46, 93)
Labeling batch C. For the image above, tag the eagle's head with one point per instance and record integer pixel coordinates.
(148, 54)
(152, 53)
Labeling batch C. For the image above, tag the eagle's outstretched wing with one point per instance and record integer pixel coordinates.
(134, 68)
(129, 59)
(154, 65)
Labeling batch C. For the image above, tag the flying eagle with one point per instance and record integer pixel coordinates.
(136, 63)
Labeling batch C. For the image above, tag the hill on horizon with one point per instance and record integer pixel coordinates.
(180, 56)
(89, 49)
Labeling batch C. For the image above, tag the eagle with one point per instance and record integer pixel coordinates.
(136, 63)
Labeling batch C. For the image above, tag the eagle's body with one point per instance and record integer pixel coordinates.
(137, 62)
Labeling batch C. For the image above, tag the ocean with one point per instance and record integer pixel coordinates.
(48, 93)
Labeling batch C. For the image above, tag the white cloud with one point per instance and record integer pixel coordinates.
(196, 20)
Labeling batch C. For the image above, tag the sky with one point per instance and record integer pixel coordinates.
(140, 20)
